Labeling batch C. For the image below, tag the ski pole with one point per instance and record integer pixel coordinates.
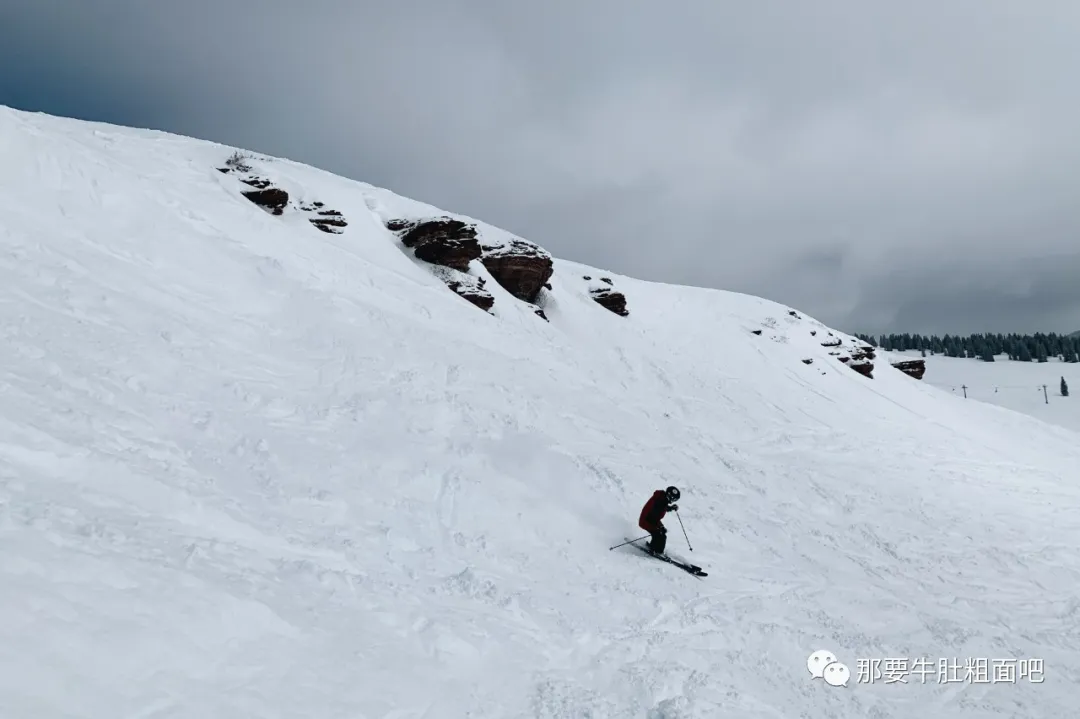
(629, 542)
(684, 531)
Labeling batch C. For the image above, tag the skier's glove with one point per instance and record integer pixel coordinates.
(673, 508)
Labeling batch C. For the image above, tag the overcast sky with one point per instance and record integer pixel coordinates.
(883, 166)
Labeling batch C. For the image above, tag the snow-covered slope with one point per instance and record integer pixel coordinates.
(1033, 388)
(252, 469)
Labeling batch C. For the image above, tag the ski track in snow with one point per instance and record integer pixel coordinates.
(250, 469)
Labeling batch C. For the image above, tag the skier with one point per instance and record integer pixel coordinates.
(660, 503)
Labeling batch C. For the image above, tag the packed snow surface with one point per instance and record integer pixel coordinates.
(250, 469)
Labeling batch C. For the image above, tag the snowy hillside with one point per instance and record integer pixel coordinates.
(264, 461)
(1033, 388)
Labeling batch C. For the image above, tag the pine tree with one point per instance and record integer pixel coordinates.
(1064, 388)
(986, 346)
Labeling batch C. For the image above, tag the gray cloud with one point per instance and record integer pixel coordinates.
(881, 167)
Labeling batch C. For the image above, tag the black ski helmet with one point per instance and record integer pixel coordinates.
(672, 494)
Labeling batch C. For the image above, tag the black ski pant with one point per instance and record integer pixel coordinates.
(659, 540)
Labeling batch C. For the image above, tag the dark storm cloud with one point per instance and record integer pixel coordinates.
(980, 296)
(856, 160)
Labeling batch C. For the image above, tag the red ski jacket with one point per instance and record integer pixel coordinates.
(653, 512)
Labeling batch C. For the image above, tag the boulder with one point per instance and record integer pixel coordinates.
(271, 199)
(863, 367)
(863, 352)
(603, 292)
(519, 266)
(912, 368)
(468, 287)
(441, 241)
(328, 220)
(473, 293)
(611, 300)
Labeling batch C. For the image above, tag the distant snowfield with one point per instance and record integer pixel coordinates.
(1014, 385)
(248, 469)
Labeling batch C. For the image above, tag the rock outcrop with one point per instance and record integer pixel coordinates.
(912, 368)
(858, 357)
(604, 294)
(272, 199)
(614, 301)
(863, 352)
(864, 367)
(448, 244)
(861, 362)
(466, 286)
(441, 241)
(521, 267)
(329, 220)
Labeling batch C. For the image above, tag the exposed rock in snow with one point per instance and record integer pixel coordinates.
(467, 286)
(272, 199)
(603, 293)
(864, 367)
(915, 368)
(521, 267)
(328, 220)
(863, 352)
(442, 241)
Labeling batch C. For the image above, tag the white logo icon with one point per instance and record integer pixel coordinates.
(822, 664)
(818, 661)
(837, 675)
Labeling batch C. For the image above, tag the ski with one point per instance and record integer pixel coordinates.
(685, 566)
